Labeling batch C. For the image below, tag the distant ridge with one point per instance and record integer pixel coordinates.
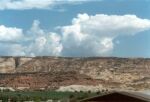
(110, 72)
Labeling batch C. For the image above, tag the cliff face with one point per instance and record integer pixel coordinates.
(7, 65)
(120, 72)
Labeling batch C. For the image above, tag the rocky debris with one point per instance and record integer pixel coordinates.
(7, 88)
(84, 88)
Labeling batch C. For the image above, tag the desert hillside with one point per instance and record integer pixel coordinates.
(61, 72)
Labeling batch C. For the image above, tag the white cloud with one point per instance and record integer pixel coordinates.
(94, 35)
(35, 42)
(42, 42)
(9, 39)
(45, 45)
(88, 35)
(10, 33)
(34, 4)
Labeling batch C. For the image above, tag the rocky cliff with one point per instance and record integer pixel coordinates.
(110, 72)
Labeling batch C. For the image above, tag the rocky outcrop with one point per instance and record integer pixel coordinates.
(7, 65)
(111, 72)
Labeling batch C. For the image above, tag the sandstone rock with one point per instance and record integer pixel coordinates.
(110, 72)
(7, 65)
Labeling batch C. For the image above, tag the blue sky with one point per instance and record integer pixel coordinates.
(75, 28)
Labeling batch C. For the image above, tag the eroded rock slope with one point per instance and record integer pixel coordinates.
(110, 72)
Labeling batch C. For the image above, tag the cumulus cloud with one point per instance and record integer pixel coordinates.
(33, 4)
(94, 35)
(34, 42)
(10, 33)
(42, 42)
(87, 35)
(9, 39)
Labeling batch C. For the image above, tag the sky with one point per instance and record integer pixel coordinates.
(75, 28)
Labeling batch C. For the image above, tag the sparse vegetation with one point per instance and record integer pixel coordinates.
(38, 96)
